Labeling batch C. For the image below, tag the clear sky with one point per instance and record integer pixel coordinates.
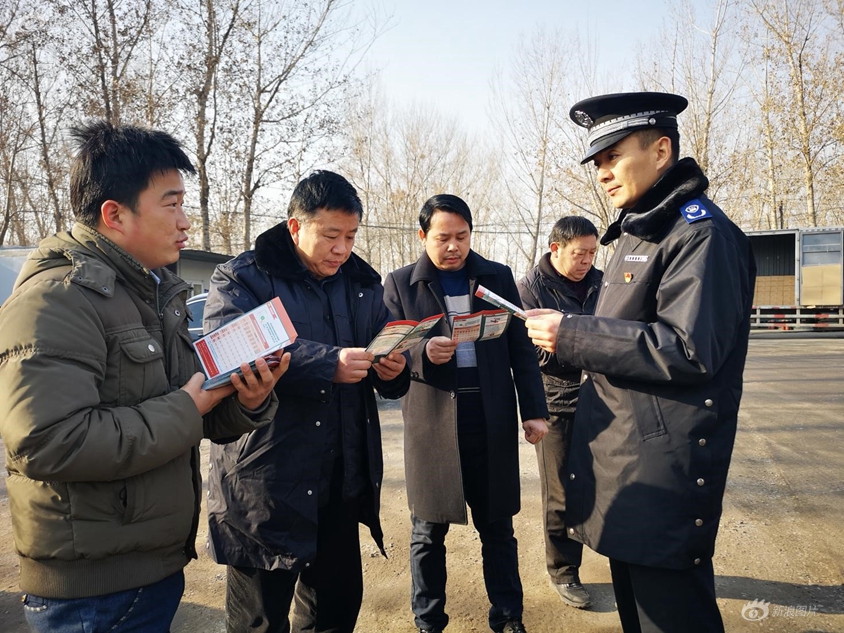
(445, 52)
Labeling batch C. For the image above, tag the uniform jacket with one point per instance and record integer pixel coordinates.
(663, 359)
(264, 487)
(542, 287)
(432, 461)
(104, 485)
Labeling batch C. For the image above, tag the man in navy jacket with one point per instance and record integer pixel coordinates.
(285, 503)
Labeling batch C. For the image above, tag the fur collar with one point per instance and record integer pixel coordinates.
(275, 254)
(659, 206)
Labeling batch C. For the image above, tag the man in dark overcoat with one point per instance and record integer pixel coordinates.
(663, 358)
(564, 280)
(284, 503)
(460, 415)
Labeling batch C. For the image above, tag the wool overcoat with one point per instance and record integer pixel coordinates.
(507, 366)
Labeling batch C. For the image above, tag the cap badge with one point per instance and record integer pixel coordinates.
(583, 119)
(628, 277)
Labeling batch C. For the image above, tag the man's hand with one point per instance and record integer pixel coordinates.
(205, 400)
(390, 366)
(251, 392)
(256, 385)
(352, 365)
(440, 349)
(535, 429)
(542, 325)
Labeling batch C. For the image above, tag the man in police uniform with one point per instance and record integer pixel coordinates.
(663, 359)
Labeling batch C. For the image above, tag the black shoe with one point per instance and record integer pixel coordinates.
(430, 631)
(573, 594)
(513, 626)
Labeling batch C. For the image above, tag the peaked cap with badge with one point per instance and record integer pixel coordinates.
(663, 358)
(610, 118)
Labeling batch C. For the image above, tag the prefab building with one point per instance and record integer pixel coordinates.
(800, 278)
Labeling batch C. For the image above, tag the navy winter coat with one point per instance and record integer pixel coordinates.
(264, 487)
(663, 359)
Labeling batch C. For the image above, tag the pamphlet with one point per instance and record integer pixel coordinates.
(500, 302)
(253, 335)
(480, 326)
(398, 336)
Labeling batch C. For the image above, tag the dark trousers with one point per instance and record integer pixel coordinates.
(329, 591)
(499, 550)
(653, 600)
(562, 554)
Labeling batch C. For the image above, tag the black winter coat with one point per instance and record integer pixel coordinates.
(663, 359)
(264, 487)
(432, 460)
(542, 287)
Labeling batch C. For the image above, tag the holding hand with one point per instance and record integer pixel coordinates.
(440, 349)
(542, 325)
(252, 390)
(390, 366)
(535, 429)
(353, 365)
(254, 387)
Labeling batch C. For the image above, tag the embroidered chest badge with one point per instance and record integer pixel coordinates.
(636, 258)
(628, 277)
(694, 210)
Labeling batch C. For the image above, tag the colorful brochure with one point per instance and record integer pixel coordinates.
(398, 336)
(500, 302)
(253, 335)
(481, 326)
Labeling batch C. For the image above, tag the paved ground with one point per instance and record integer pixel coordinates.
(780, 540)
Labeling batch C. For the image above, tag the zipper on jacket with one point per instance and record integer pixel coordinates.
(190, 545)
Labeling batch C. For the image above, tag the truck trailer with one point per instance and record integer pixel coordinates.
(800, 279)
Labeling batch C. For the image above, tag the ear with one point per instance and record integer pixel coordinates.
(555, 246)
(111, 216)
(663, 153)
(293, 226)
(422, 235)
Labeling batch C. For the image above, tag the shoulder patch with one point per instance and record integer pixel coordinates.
(694, 210)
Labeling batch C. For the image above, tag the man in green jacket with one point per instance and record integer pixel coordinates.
(101, 402)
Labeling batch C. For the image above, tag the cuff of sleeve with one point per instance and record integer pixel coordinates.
(254, 414)
(567, 339)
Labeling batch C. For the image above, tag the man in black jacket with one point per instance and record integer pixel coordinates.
(564, 280)
(663, 358)
(284, 503)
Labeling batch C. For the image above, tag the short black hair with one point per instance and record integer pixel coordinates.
(117, 162)
(443, 202)
(570, 227)
(649, 136)
(323, 189)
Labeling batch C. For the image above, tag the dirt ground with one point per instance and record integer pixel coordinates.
(780, 540)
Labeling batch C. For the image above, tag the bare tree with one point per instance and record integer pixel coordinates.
(207, 28)
(798, 41)
(100, 49)
(528, 109)
(296, 58)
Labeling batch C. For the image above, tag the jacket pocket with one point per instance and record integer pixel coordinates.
(141, 371)
(129, 498)
(647, 414)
